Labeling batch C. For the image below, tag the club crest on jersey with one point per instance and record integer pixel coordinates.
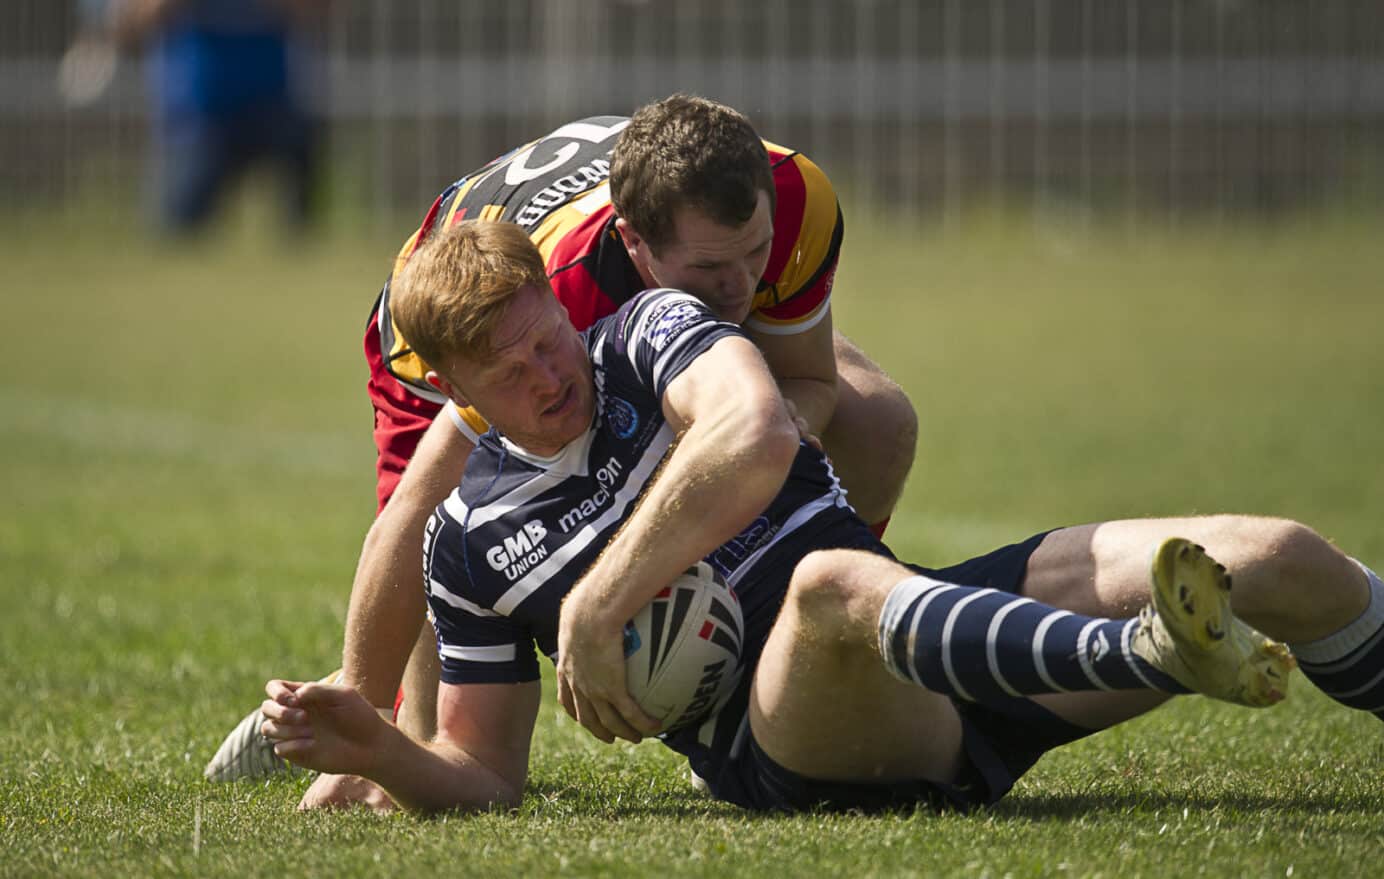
(621, 417)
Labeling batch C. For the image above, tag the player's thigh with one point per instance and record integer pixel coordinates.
(1289, 581)
(823, 704)
(1103, 569)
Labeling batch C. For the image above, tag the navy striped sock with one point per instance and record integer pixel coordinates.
(1348, 666)
(980, 644)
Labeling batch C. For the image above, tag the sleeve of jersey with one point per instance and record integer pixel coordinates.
(666, 331)
(475, 644)
(808, 231)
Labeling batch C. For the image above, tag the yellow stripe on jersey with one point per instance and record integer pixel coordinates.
(405, 252)
(812, 251)
(816, 232)
(400, 360)
(491, 212)
(566, 218)
(469, 422)
(456, 201)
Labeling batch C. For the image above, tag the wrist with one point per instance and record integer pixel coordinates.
(384, 755)
(374, 687)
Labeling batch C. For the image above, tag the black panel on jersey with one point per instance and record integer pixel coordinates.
(609, 264)
(535, 180)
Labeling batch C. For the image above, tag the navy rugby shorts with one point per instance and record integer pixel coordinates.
(1002, 738)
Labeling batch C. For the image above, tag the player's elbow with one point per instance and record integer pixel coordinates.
(770, 439)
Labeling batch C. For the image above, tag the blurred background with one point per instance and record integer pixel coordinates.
(1146, 110)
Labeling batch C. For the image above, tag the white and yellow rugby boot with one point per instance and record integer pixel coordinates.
(248, 753)
(1189, 632)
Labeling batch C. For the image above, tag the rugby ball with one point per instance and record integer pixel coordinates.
(683, 650)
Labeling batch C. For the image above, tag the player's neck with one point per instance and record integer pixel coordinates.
(646, 277)
(571, 456)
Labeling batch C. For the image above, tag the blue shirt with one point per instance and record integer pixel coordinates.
(221, 57)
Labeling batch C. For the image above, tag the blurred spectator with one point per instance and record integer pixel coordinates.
(232, 87)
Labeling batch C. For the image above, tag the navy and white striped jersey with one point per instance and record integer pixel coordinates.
(507, 546)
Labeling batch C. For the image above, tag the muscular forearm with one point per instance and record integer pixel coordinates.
(721, 474)
(438, 776)
(388, 595)
(387, 604)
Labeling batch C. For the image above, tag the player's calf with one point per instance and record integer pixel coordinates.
(1296, 586)
(1290, 582)
(979, 644)
(1348, 663)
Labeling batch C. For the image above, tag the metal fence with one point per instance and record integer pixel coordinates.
(1147, 107)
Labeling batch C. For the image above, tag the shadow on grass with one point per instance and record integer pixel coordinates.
(1071, 806)
(626, 801)
(623, 801)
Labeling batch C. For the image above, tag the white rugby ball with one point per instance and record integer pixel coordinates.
(683, 650)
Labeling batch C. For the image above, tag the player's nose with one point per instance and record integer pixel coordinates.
(548, 377)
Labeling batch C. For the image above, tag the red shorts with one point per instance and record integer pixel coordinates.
(401, 416)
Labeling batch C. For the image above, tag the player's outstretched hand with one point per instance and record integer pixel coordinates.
(327, 727)
(591, 683)
(344, 792)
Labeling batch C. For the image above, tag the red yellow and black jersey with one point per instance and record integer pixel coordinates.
(557, 189)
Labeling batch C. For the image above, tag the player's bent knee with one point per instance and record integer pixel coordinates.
(817, 588)
(837, 593)
(893, 421)
(1308, 577)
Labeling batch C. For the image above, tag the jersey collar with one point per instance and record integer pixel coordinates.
(570, 461)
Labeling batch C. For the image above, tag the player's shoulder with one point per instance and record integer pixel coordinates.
(654, 337)
(477, 515)
(805, 192)
(808, 227)
(655, 316)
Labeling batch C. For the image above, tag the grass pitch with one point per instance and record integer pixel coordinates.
(186, 459)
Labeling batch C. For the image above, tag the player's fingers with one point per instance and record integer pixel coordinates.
(564, 697)
(282, 691)
(296, 750)
(588, 717)
(285, 732)
(634, 716)
(314, 695)
(613, 721)
(282, 713)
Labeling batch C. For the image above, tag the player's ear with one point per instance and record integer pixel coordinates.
(629, 236)
(451, 391)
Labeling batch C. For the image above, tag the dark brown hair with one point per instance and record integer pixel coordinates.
(686, 151)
